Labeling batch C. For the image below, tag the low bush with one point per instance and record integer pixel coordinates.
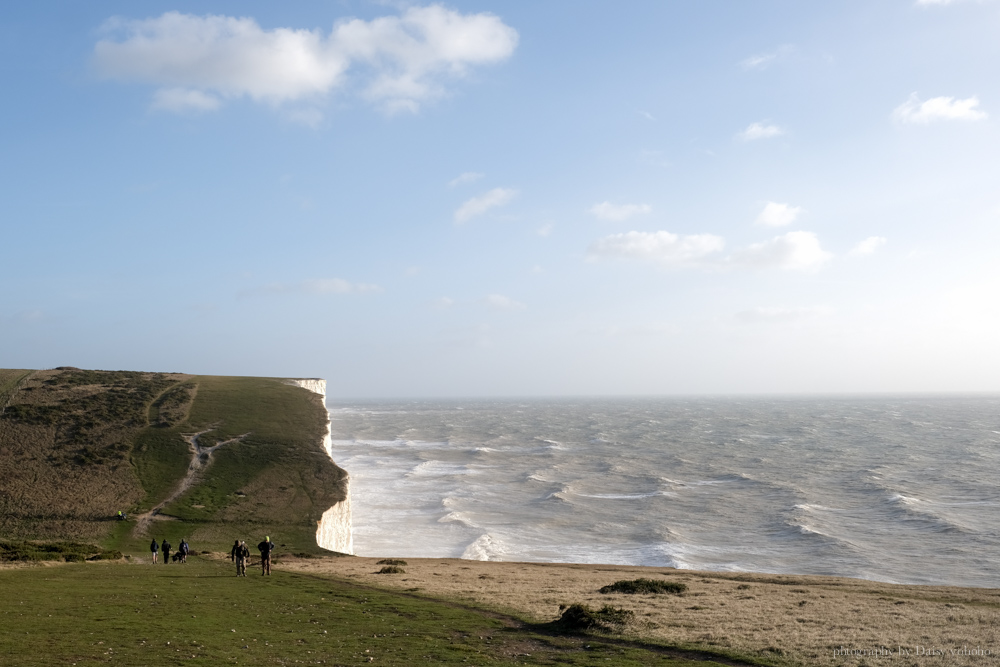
(644, 586)
(391, 561)
(579, 617)
(391, 569)
(25, 551)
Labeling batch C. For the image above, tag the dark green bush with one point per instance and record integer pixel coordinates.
(578, 617)
(644, 586)
(391, 561)
(391, 569)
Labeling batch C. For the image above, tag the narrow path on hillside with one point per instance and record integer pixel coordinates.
(15, 387)
(200, 458)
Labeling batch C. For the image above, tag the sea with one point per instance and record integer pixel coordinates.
(894, 489)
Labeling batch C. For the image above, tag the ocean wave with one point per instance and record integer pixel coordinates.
(563, 494)
(458, 517)
(918, 509)
(440, 469)
(485, 547)
(622, 496)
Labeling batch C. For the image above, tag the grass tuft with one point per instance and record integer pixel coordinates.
(391, 561)
(392, 569)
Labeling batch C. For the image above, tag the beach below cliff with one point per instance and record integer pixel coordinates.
(784, 619)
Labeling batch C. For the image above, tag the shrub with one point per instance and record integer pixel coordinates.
(578, 617)
(391, 561)
(23, 550)
(645, 586)
(391, 569)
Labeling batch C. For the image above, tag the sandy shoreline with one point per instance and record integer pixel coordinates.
(806, 620)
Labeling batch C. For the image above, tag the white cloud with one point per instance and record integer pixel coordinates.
(671, 249)
(314, 286)
(779, 314)
(618, 212)
(647, 115)
(180, 100)
(310, 117)
(408, 58)
(655, 329)
(793, 251)
(337, 286)
(501, 302)
(467, 177)
(868, 246)
(443, 303)
(545, 230)
(478, 205)
(760, 131)
(765, 60)
(937, 108)
(778, 215)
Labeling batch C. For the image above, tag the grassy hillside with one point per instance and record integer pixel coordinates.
(78, 445)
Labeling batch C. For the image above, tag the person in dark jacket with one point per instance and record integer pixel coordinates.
(265, 548)
(154, 548)
(242, 558)
(184, 549)
(165, 547)
(240, 554)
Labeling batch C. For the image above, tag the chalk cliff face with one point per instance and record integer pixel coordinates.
(334, 530)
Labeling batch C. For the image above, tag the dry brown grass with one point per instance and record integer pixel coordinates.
(64, 464)
(800, 620)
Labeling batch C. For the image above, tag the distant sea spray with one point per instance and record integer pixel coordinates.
(892, 489)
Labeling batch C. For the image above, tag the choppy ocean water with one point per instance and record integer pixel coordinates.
(903, 490)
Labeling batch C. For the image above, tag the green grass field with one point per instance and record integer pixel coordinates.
(201, 613)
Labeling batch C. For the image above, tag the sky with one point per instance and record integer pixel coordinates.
(479, 199)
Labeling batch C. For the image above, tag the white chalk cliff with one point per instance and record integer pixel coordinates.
(334, 529)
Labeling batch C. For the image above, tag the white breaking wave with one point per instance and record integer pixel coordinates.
(486, 547)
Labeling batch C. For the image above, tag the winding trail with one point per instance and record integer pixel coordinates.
(201, 457)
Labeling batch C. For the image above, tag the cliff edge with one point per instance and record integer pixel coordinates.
(209, 458)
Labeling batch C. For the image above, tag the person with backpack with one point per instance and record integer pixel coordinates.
(265, 548)
(166, 551)
(184, 549)
(154, 548)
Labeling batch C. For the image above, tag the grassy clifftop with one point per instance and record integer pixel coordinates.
(76, 446)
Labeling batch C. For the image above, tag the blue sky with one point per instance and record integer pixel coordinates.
(520, 198)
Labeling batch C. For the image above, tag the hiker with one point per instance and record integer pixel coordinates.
(242, 556)
(265, 548)
(184, 549)
(239, 555)
(154, 548)
(166, 551)
(121, 515)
